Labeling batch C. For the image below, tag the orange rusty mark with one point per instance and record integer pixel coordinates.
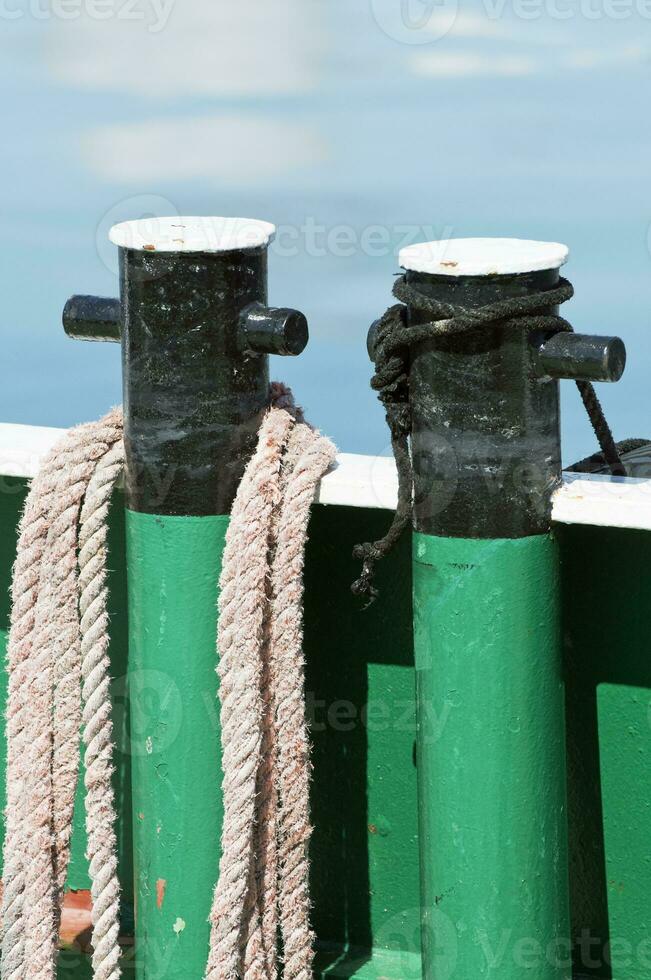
(76, 930)
(161, 885)
(76, 925)
(149, 248)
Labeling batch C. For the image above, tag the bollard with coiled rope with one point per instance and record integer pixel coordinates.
(196, 330)
(58, 660)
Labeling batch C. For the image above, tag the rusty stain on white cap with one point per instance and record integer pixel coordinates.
(482, 256)
(192, 234)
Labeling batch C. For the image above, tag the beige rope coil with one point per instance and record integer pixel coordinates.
(44, 701)
(263, 880)
(58, 662)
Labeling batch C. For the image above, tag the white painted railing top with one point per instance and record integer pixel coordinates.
(371, 481)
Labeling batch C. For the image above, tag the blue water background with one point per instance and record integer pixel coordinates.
(356, 126)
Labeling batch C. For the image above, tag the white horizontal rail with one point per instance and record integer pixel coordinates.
(371, 481)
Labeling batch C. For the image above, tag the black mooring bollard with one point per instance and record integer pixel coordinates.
(491, 737)
(195, 331)
(485, 404)
(195, 326)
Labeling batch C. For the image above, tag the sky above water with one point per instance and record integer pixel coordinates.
(356, 126)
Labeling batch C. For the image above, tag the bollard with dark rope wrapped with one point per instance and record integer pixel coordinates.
(467, 366)
(392, 337)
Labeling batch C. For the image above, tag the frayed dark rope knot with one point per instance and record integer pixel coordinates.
(394, 337)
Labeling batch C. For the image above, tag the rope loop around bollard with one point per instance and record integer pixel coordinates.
(395, 337)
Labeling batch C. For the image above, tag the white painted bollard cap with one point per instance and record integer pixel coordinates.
(482, 256)
(192, 234)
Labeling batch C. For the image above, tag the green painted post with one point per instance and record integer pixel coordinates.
(195, 332)
(490, 696)
(491, 758)
(173, 562)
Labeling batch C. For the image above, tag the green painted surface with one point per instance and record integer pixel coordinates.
(376, 964)
(607, 612)
(360, 693)
(491, 758)
(174, 567)
(361, 701)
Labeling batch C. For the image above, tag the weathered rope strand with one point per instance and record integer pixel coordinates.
(393, 341)
(36, 846)
(52, 761)
(241, 621)
(96, 721)
(263, 886)
(292, 773)
(26, 581)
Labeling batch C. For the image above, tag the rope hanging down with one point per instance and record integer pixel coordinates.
(393, 341)
(263, 876)
(58, 660)
(48, 652)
